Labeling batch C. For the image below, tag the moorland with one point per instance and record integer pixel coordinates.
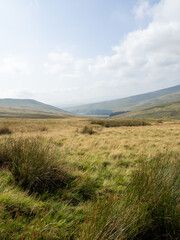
(89, 179)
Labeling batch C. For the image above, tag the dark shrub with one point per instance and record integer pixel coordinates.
(43, 129)
(5, 130)
(120, 122)
(87, 130)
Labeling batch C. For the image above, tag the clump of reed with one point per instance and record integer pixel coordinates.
(5, 130)
(34, 163)
(120, 122)
(147, 209)
(87, 130)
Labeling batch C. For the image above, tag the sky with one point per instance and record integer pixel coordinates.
(78, 51)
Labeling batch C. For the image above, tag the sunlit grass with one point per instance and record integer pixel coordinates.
(95, 189)
(148, 208)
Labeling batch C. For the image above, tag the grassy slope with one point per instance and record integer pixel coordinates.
(27, 108)
(134, 102)
(165, 111)
(169, 110)
(24, 113)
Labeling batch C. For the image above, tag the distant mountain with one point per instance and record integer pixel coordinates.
(130, 103)
(29, 108)
(169, 110)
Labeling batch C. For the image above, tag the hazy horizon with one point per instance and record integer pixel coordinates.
(71, 52)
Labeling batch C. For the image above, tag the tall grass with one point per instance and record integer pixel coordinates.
(120, 122)
(87, 130)
(148, 209)
(24, 216)
(101, 201)
(34, 163)
(5, 130)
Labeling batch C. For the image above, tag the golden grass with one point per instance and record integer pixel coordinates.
(101, 162)
(108, 141)
(121, 146)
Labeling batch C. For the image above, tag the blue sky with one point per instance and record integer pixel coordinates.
(75, 51)
(92, 26)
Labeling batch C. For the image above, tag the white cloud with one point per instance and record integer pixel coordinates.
(142, 9)
(147, 59)
(146, 56)
(18, 93)
(66, 65)
(11, 65)
(167, 11)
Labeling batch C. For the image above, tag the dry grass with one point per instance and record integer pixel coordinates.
(120, 122)
(102, 163)
(87, 130)
(5, 130)
(121, 147)
(34, 163)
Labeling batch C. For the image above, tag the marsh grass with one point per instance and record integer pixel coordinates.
(87, 130)
(25, 216)
(43, 129)
(117, 185)
(5, 130)
(34, 163)
(119, 122)
(147, 209)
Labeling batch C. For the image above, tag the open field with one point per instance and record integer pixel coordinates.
(70, 179)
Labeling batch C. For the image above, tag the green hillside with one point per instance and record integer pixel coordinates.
(28, 108)
(130, 103)
(161, 111)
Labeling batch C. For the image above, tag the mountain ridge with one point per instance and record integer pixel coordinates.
(170, 110)
(29, 108)
(130, 103)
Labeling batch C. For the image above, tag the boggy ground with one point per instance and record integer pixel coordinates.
(91, 178)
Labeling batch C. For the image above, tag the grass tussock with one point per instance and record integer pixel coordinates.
(87, 130)
(120, 123)
(34, 163)
(5, 130)
(148, 209)
(43, 129)
(27, 217)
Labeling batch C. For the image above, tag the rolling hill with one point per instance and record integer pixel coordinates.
(171, 94)
(29, 108)
(169, 110)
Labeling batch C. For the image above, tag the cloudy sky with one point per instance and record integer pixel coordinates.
(70, 51)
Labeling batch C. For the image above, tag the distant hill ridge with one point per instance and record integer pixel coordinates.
(129, 103)
(10, 107)
(28, 104)
(170, 110)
